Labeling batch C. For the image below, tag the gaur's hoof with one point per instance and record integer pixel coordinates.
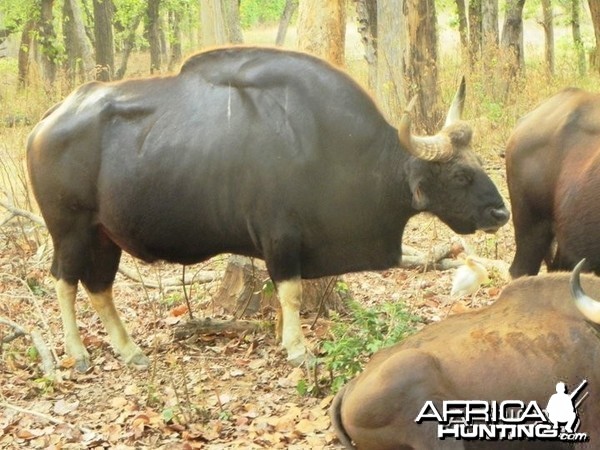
(83, 364)
(306, 358)
(139, 361)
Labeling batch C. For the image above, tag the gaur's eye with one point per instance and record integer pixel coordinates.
(462, 179)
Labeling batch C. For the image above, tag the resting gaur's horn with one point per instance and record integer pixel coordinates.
(428, 148)
(589, 307)
(458, 103)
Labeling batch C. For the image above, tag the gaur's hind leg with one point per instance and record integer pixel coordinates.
(82, 252)
(119, 337)
(98, 283)
(71, 239)
(66, 293)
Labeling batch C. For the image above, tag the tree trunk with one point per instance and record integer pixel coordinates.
(595, 13)
(231, 9)
(491, 71)
(88, 18)
(366, 11)
(212, 23)
(579, 48)
(153, 34)
(80, 60)
(489, 26)
(245, 290)
(463, 28)
(104, 41)
(176, 56)
(548, 24)
(322, 29)
(391, 39)
(421, 63)
(475, 23)
(72, 64)
(288, 11)
(47, 40)
(512, 38)
(26, 38)
(162, 39)
(128, 45)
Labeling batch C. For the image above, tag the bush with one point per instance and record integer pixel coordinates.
(353, 343)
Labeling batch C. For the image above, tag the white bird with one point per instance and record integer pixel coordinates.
(468, 278)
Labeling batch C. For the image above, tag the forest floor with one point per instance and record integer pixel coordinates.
(215, 391)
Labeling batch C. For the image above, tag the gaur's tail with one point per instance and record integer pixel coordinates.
(335, 414)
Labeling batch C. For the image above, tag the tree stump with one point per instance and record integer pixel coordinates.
(247, 290)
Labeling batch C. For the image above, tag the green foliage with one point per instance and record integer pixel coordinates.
(268, 288)
(444, 7)
(353, 343)
(225, 415)
(168, 415)
(172, 299)
(44, 385)
(303, 387)
(153, 398)
(32, 353)
(493, 110)
(127, 15)
(255, 12)
(15, 13)
(126, 12)
(35, 287)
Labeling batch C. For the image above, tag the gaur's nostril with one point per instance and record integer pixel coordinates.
(500, 214)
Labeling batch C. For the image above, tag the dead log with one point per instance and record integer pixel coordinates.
(209, 326)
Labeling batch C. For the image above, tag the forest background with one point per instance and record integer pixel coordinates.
(233, 389)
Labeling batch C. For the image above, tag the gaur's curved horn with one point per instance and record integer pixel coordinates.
(429, 148)
(589, 307)
(458, 103)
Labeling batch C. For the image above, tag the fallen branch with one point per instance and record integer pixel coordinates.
(443, 257)
(414, 262)
(22, 213)
(204, 276)
(46, 417)
(215, 326)
(437, 258)
(42, 348)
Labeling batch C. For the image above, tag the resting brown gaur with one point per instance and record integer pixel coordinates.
(540, 331)
(261, 152)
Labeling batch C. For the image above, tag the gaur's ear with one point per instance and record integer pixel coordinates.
(460, 134)
(419, 198)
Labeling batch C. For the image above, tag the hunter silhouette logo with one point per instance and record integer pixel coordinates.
(561, 408)
(509, 419)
